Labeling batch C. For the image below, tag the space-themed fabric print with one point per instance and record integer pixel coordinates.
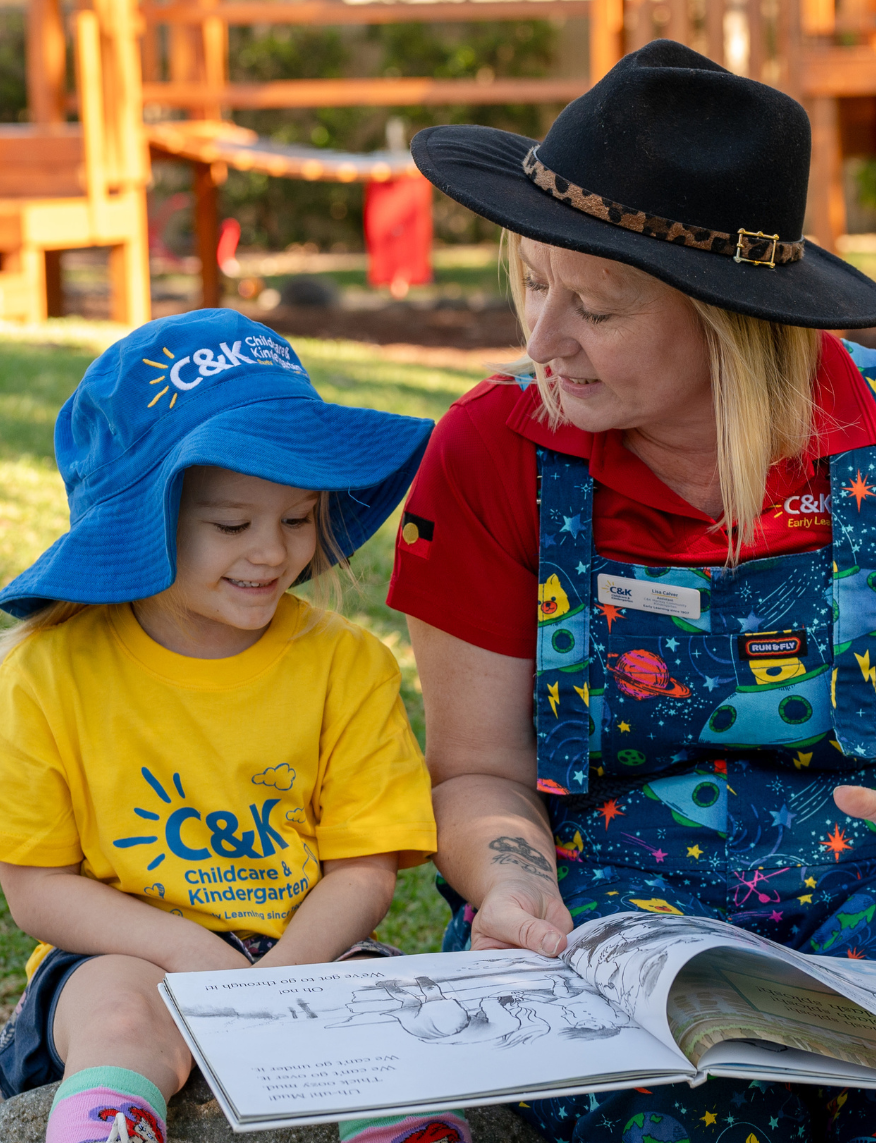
(781, 656)
(691, 755)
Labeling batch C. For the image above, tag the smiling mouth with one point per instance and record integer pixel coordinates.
(250, 582)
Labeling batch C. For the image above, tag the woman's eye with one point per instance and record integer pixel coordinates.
(589, 315)
(231, 529)
(535, 286)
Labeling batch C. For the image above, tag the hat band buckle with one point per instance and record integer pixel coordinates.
(743, 234)
(666, 229)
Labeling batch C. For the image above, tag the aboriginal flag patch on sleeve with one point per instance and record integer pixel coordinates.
(416, 535)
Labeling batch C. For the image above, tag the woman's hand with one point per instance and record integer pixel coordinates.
(856, 801)
(522, 914)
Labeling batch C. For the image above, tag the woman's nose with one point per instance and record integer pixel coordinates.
(549, 338)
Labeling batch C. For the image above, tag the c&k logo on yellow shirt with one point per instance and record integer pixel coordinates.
(182, 831)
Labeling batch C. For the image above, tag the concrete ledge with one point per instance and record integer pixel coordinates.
(194, 1117)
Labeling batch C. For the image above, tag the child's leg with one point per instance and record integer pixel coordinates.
(121, 1052)
(446, 1127)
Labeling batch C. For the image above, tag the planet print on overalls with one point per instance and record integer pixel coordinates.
(642, 674)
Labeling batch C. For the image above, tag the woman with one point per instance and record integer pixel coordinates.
(686, 498)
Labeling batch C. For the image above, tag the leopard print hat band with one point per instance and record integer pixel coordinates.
(745, 246)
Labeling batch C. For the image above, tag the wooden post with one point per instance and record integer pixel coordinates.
(186, 57)
(606, 26)
(678, 27)
(207, 232)
(90, 86)
(790, 47)
(46, 62)
(129, 274)
(126, 112)
(54, 284)
(756, 40)
(827, 205)
(715, 30)
(818, 17)
(638, 25)
(215, 48)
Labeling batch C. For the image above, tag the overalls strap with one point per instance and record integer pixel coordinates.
(853, 686)
(562, 693)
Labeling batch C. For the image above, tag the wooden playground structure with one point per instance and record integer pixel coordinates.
(67, 185)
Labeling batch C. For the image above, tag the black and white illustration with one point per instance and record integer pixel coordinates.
(469, 1011)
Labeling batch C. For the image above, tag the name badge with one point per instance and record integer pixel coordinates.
(660, 598)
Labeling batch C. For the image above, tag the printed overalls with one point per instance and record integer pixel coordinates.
(691, 764)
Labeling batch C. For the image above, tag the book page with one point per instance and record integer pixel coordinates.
(745, 996)
(632, 959)
(757, 1059)
(318, 1042)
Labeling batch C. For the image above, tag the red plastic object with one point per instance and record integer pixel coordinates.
(229, 236)
(398, 233)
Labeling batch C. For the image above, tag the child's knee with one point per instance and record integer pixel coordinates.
(116, 998)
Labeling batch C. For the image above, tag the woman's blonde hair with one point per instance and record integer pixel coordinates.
(329, 573)
(762, 381)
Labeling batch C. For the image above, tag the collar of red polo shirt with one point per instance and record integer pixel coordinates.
(846, 419)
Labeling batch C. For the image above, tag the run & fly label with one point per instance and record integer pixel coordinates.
(662, 598)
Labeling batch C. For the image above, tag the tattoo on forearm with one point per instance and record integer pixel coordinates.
(517, 851)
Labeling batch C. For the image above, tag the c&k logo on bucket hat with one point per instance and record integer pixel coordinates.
(205, 362)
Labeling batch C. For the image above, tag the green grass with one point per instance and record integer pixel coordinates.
(40, 367)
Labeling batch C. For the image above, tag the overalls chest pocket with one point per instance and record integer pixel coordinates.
(674, 686)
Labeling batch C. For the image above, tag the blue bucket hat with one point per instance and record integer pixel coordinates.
(203, 388)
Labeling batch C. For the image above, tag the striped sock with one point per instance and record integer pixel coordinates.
(86, 1104)
(447, 1127)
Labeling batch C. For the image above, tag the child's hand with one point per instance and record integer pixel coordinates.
(856, 801)
(345, 905)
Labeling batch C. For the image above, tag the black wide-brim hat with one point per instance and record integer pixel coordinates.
(661, 165)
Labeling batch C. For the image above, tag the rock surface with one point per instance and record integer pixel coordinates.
(194, 1117)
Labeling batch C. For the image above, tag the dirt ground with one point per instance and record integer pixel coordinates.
(456, 328)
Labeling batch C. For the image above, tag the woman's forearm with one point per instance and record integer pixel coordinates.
(496, 849)
(78, 914)
(491, 830)
(345, 906)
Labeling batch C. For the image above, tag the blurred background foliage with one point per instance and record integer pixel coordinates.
(13, 89)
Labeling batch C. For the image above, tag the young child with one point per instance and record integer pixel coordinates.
(199, 769)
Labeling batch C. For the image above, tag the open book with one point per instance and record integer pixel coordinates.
(635, 1000)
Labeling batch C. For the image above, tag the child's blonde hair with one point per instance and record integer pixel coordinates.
(762, 380)
(327, 589)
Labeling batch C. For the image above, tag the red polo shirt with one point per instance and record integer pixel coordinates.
(470, 564)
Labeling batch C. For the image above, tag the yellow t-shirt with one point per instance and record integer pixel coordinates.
(211, 788)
